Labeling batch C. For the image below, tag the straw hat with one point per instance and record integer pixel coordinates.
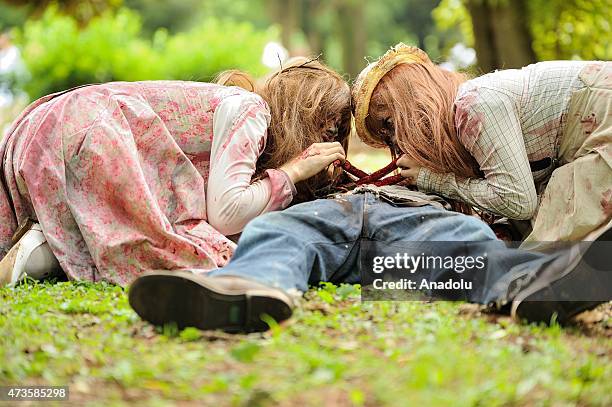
(369, 78)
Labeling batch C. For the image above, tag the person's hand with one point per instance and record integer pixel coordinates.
(313, 160)
(409, 169)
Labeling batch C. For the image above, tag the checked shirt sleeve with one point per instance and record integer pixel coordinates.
(488, 126)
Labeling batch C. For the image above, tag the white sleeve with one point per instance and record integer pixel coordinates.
(240, 125)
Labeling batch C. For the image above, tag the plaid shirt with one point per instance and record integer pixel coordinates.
(510, 121)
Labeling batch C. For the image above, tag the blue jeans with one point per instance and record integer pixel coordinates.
(326, 240)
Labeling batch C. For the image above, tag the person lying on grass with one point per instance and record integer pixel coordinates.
(527, 144)
(122, 178)
(280, 254)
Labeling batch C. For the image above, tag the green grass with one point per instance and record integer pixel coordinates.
(335, 351)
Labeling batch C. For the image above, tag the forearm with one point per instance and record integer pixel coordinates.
(233, 207)
(509, 202)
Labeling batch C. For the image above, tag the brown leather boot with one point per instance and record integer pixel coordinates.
(228, 303)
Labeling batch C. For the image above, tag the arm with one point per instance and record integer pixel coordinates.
(490, 130)
(240, 126)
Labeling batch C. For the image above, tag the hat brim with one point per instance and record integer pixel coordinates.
(368, 79)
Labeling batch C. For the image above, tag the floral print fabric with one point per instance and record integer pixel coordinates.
(116, 175)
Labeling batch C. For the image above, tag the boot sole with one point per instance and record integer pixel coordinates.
(178, 297)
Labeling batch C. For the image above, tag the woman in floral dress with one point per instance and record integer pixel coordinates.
(109, 181)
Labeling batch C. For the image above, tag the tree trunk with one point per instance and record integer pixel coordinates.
(512, 37)
(353, 36)
(286, 14)
(483, 35)
(311, 12)
(501, 34)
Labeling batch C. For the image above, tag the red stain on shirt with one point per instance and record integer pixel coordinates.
(589, 123)
(606, 202)
(593, 68)
(214, 102)
(251, 113)
(547, 134)
(468, 122)
(278, 182)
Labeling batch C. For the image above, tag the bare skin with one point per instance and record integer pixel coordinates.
(410, 169)
(319, 156)
(313, 160)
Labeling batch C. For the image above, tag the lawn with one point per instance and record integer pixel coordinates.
(335, 351)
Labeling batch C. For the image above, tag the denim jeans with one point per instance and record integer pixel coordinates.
(326, 240)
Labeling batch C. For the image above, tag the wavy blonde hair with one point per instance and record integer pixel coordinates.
(305, 97)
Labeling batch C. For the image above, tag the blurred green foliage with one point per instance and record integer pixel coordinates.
(173, 15)
(76, 42)
(60, 55)
(11, 16)
(81, 10)
(560, 29)
(452, 17)
(571, 29)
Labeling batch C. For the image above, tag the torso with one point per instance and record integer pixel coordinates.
(541, 95)
(186, 110)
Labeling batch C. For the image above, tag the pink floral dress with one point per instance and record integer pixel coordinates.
(126, 178)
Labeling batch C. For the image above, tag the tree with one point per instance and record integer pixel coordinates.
(286, 13)
(81, 10)
(501, 34)
(570, 29)
(509, 34)
(352, 34)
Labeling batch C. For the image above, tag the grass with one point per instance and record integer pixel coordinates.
(335, 351)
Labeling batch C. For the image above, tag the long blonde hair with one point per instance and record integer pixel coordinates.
(421, 99)
(304, 97)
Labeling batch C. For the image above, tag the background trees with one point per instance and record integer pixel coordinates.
(66, 42)
(501, 34)
(513, 33)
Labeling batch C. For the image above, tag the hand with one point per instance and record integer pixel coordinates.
(313, 160)
(409, 169)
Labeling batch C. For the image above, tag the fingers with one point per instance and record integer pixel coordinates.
(317, 158)
(407, 173)
(406, 162)
(326, 144)
(335, 153)
(324, 161)
(410, 175)
(326, 148)
(328, 159)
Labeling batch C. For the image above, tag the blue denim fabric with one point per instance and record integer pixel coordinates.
(323, 240)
